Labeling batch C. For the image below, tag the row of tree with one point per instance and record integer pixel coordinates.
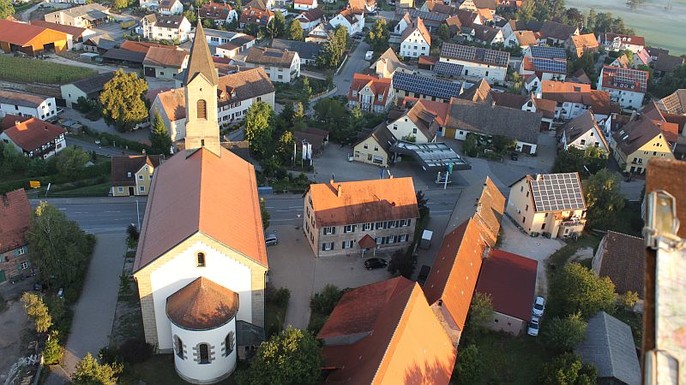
(555, 10)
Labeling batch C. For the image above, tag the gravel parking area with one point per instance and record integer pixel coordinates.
(13, 323)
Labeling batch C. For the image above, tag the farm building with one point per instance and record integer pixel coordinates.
(30, 39)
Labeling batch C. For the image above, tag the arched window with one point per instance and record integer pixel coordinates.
(178, 346)
(229, 344)
(204, 353)
(202, 109)
(201, 259)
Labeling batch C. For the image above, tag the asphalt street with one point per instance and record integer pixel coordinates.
(100, 150)
(355, 63)
(100, 215)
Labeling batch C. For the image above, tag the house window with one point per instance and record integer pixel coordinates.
(583, 142)
(24, 265)
(414, 130)
(326, 246)
(140, 177)
(349, 228)
(128, 174)
(201, 259)
(120, 189)
(204, 353)
(21, 251)
(201, 106)
(178, 347)
(347, 245)
(367, 226)
(543, 226)
(229, 343)
(526, 208)
(329, 230)
(141, 188)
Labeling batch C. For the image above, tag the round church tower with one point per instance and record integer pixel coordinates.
(203, 327)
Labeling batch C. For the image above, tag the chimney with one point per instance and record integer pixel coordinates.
(46, 127)
(339, 191)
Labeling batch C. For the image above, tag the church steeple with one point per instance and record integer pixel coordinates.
(202, 127)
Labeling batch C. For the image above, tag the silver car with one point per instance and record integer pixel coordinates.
(271, 240)
(534, 326)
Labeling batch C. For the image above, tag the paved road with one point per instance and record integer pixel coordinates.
(100, 126)
(355, 63)
(100, 150)
(100, 215)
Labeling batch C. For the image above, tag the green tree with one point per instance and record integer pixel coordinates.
(603, 199)
(672, 82)
(38, 311)
(120, 4)
(325, 300)
(295, 30)
(292, 357)
(567, 369)
(525, 13)
(333, 50)
(52, 353)
(590, 21)
(6, 9)
(378, 35)
(577, 289)
(444, 32)
(334, 117)
(628, 300)
(72, 161)
(191, 16)
(160, 141)
(264, 213)
(122, 100)
(259, 130)
(284, 148)
(480, 312)
(469, 367)
(563, 334)
(11, 160)
(90, 372)
(277, 25)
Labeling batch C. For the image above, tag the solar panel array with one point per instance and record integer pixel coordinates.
(549, 65)
(629, 78)
(548, 52)
(273, 53)
(557, 192)
(448, 69)
(474, 54)
(424, 85)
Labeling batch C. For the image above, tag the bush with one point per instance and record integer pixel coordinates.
(278, 297)
(324, 301)
(402, 262)
(52, 352)
(471, 145)
(135, 350)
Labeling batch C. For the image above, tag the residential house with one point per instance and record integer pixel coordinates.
(425, 87)
(217, 37)
(307, 52)
(485, 35)
(351, 20)
(88, 88)
(622, 61)
(573, 99)
(485, 120)
(15, 215)
(310, 19)
(405, 4)
(420, 121)
(320, 34)
(609, 346)
(83, 16)
(580, 44)
(376, 148)
(359, 217)
(415, 40)
(164, 63)
(621, 258)
(583, 133)
(169, 28)
(477, 62)
(236, 46)
(170, 7)
(236, 93)
(533, 104)
(77, 35)
(35, 138)
(31, 39)
(670, 125)
(260, 4)
(255, 16)
(637, 142)
(25, 104)
(468, 5)
(548, 63)
(382, 332)
(549, 204)
(388, 63)
(432, 20)
(666, 64)
(556, 34)
(282, 66)
(521, 39)
(674, 103)
(219, 13)
(655, 52)
(626, 86)
(642, 58)
(462, 20)
(362, 6)
(371, 93)
(131, 53)
(617, 42)
(98, 44)
(305, 5)
(510, 280)
(132, 174)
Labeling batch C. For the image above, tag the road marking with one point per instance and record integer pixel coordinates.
(62, 209)
(283, 220)
(113, 212)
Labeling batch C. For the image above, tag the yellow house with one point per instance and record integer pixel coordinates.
(374, 149)
(552, 205)
(131, 175)
(637, 142)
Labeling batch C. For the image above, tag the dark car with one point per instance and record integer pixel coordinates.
(514, 156)
(423, 274)
(375, 263)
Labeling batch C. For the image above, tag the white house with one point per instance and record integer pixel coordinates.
(626, 86)
(583, 132)
(35, 138)
(477, 62)
(25, 104)
(573, 99)
(171, 28)
(352, 21)
(521, 39)
(220, 13)
(618, 42)
(88, 88)
(170, 7)
(282, 66)
(420, 122)
(415, 40)
(370, 93)
(310, 19)
(548, 63)
(304, 5)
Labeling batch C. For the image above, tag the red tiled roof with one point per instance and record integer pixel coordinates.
(165, 57)
(76, 32)
(11, 120)
(15, 215)
(580, 93)
(379, 333)
(174, 103)
(623, 260)
(625, 79)
(33, 133)
(202, 305)
(205, 190)
(22, 34)
(510, 279)
(377, 86)
(427, 60)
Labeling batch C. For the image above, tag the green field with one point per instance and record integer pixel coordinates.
(660, 26)
(25, 70)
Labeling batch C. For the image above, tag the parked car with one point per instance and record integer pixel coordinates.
(539, 306)
(423, 274)
(369, 55)
(271, 239)
(534, 326)
(514, 155)
(375, 263)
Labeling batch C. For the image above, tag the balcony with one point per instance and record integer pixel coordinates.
(573, 222)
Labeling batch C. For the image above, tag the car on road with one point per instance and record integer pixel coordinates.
(514, 155)
(271, 239)
(369, 55)
(539, 306)
(534, 326)
(423, 274)
(375, 263)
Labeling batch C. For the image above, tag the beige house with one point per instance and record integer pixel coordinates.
(282, 66)
(552, 205)
(637, 142)
(360, 217)
(132, 174)
(375, 149)
(583, 133)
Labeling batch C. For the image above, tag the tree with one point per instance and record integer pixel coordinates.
(120, 4)
(333, 50)
(402, 262)
(672, 82)
(52, 352)
(577, 289)
(444, 32)
(72, 161)
(122, 100)
(628, 300)
(295, 30)
(277, 25)
(563, 334)
(469, 366)
(324, 301)
(568, 369)
(334, 117)
(292, 357)
(284, 148)
(378, 36)
(264, 213)
(480, 312)
(590, 20)
(90, 372)
(38, 311)
(307, 88)
(11, 160)
(191, 16)
(259, 130)
(160, 141)
(603, 199)
(6, 9)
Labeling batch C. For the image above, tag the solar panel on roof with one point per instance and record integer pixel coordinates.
(272, 53)
(549, 65)
(426, 85)
(548, 52)
(467, 53)
(448, 69)
(556, 192)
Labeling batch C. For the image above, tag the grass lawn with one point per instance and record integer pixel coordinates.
(25, 70)
(560, 258)
(159, 370)
(511, 360)
(98, 190)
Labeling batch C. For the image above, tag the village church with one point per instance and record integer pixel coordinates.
(201, 261)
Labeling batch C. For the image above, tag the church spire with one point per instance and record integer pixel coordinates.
(201, 61)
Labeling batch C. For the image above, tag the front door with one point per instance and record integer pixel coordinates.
(526, 149)
(132, 191)
(150, 71)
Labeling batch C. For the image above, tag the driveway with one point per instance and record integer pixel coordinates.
(355, 63)
(100, 126)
